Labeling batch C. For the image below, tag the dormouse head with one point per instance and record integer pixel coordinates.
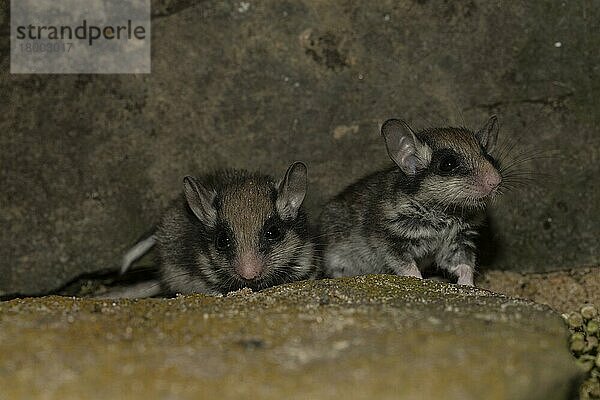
(446, 166)
(255, 230)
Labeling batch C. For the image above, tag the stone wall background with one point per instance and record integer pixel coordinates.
(88, 162)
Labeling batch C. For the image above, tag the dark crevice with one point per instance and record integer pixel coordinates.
(175, 8)
(552, 101)
(94, 283)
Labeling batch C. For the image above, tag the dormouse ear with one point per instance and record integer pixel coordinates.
(488, 135)
(404, 148)
(291, 191)
(200, 201)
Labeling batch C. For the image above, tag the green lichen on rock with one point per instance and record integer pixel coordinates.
(365, 337)
(584, 346)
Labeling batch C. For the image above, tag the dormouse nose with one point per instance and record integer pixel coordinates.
(491, 180)
(249, 266)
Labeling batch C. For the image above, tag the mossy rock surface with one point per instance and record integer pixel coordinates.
(374, 337)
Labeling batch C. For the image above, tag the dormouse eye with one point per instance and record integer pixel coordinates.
(448, 163)
(222, 240)
(273, 233)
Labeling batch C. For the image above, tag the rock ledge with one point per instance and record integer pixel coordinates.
(366, 337)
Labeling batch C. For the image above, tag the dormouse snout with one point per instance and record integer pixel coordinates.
(249, 266)
(489, 181)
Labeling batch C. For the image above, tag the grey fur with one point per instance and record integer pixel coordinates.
(136, 252)
(139, 290)
(402, 218)
(244, 204)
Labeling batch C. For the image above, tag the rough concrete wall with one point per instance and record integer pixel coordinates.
(88, 162)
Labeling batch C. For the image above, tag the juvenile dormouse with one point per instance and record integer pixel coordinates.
(424, 209)
(233, 229)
